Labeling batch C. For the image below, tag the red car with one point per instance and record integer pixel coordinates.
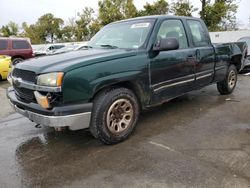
(18, 48)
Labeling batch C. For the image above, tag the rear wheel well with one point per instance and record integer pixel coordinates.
(126, 84)
(18, 56)
(237, 61)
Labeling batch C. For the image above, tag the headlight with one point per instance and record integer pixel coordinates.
(50, 79)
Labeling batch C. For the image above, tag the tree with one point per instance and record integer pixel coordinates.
(33, 33)
(114, 10)
(203, 6)
(83, 23)
(47, 28)
(50, 26)
(11, 29)
(94, 27)
(183, 8)
(69, 31)
(229, 20)
(157, 8)
(110, 11)
(129, 9)
(219, 15)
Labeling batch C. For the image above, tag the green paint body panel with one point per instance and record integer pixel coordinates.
(85, 81)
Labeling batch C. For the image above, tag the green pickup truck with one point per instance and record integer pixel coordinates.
(127, 67)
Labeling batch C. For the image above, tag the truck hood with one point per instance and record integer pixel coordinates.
(67, 61)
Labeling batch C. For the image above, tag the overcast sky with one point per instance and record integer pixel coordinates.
(29, 10)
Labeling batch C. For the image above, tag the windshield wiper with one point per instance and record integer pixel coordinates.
(108, 46)
(86, 46)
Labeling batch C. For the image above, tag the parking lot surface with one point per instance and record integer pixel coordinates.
(201, 139)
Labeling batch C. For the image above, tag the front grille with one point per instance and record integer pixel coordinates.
(25, 75)
(25, 94)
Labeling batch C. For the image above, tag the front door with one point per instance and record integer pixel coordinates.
(172, 72)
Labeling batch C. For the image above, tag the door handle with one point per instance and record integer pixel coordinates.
(198, 54)
(190, 56)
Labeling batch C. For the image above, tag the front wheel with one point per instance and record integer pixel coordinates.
(17, 60)
(115, 114)
(227, 85)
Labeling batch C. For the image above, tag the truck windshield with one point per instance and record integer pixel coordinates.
(129, 35)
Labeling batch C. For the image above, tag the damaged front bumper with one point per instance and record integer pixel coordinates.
(75, 117)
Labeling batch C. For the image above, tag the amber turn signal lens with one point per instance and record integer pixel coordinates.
(59, 79)
(42, 100)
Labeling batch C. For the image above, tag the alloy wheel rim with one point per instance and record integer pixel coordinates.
(120, 116)
(231, 79)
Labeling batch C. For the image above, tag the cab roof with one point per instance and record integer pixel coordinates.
(158, 17)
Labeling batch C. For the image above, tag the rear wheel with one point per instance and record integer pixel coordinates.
(17, 60)
(228, 84)
(114, 116)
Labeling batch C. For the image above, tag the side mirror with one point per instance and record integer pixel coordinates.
(166, 44)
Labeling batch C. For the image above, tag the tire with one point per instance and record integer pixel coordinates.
(227, 86)
(114, 116)
(17, 60)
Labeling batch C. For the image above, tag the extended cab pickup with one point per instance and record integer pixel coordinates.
(127, 67)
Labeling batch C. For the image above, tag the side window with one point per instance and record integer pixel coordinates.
(59, 46)
(18, 44)
(173, 28)
(3, 44)
(51, 48)
(198, 33)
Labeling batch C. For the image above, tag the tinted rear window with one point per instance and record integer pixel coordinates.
(59, 46)
(20, 44)
(3, 44)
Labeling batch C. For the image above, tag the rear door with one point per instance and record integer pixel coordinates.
(204, 50)
(172, 72)
(21, 48)
(4, 47)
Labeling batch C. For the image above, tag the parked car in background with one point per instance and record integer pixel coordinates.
(5, 66)
(247, 40)
(70, 47)
(18, 49)
(82, 46)
(47, 49)
(64, 49)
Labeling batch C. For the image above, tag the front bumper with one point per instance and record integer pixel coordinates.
(74, 117)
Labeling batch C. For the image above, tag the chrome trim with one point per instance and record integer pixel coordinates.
(182, 82)
(203, 76)
(220, 67)
(203, 72)
(9, 79)
(174, 84)
(21, 83)
(173, 80)
(74, 121)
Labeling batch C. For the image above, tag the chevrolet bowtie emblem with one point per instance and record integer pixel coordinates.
(17, 81)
